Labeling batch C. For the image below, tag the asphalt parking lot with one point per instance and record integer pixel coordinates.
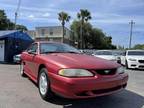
(18, 92)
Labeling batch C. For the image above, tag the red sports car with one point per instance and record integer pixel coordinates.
(60, 69)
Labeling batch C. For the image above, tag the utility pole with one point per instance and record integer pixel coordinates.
(16, 14)
(81, 36)
(131, 31)
(15, 21)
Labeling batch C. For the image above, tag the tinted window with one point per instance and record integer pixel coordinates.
(57, 47)
(103, 53)
(135, 52)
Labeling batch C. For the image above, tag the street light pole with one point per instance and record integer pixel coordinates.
(16, 13)
(131, 31)
(15, 21)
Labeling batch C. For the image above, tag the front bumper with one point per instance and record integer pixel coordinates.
(76, 88)
(135, 65)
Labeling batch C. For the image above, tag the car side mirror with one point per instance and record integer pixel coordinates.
(32, 52)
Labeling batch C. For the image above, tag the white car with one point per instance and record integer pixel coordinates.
(105, 54)
(133, 59)
(17, 58)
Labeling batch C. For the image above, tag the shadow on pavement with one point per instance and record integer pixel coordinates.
(124, 99)
(136, 69)
(9, 63)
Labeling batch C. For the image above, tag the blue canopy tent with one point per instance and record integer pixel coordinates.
(14, 42)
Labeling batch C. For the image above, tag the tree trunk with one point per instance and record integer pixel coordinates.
(82, 22)
(63, 34)
(63, 23)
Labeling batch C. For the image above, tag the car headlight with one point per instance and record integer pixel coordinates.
(131, 59)
(75, 73)
(120, 70)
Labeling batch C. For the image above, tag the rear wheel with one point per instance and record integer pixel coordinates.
(22, 70)
(44, 85)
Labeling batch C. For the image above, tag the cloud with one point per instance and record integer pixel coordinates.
(112, 16)
(31, 16)
(46, 14)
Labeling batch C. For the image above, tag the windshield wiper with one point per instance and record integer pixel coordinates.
(50, 52)
(72, 52)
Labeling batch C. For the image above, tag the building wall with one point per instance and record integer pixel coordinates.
(32, 33)
(2, 50)
(48, 31)
(52, 33)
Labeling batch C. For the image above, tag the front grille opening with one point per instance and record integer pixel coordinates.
(106, 71)
(100, 91)
(141, 61)
(107, 90)
(133, 65)
(141, 67)
(82, 94)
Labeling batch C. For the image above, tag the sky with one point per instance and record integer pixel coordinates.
(112, 16)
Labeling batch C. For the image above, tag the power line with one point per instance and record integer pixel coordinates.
(131, 32)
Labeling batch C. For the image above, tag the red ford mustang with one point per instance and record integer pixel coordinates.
(61, 69)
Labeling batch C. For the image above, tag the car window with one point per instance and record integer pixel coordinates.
(33, 48)
(103, 53)
(136, 53)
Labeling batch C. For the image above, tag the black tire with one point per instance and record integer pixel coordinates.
(48, 93)
(22, 70)
(126, 65)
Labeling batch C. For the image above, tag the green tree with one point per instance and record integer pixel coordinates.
(84, 15)
(6, 24)
(63, 18)
(139, 46)
(94, 37)
(21, 27)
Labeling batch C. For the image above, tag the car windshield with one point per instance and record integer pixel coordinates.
(118, 53)
(103, 53)
(57, 48)
(135, 53)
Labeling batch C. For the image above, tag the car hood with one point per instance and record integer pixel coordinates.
(136, 57)
(107, 57)
(68, 60)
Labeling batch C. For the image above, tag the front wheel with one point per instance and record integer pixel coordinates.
(44, 85)
(126, 64)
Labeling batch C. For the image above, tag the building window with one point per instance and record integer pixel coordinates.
(42, 32)
(51, 32)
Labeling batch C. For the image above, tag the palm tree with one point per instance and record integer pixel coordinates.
(63, 18)
(83, 16)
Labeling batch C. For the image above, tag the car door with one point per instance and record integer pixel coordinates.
(123, 58)
(30, 59)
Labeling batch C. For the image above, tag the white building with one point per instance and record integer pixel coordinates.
(50, 33)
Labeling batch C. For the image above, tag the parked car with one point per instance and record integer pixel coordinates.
(133, 59)
(17, 58)
(105, 54)
(88, 51)
(61, 69)
(118, 54)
